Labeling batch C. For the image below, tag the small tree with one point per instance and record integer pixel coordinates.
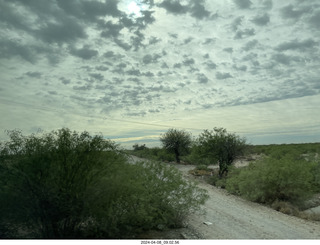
(137, 147)
(221, 146)
(176, 141)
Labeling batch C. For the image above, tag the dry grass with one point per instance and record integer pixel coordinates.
(290, 209)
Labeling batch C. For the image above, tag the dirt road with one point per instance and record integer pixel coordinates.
(230, 217)
(234, 218)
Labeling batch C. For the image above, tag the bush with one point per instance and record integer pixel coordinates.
(196, 159)
(155, 154)
(70, 185)
(270, 179)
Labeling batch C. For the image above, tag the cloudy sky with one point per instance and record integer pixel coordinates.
(132, 69)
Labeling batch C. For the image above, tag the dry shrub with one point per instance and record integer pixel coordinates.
(285, 207)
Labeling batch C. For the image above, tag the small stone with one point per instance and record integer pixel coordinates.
(207, 223)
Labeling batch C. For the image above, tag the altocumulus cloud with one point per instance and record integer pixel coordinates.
(122, 67)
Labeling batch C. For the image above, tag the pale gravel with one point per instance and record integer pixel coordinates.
(235, 218)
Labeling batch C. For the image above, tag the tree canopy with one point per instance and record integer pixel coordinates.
(176, 141)
(221, 146)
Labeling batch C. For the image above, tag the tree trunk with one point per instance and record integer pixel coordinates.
(176, 152)
(223, 168)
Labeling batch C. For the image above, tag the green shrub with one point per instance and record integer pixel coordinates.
(270, 179)
(316, 174)
(155, 154)
(217, 181)
(70, 185)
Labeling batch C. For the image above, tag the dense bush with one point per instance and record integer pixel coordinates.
(69, 185)
(271, 179)
(195, 157)
(297, 149)
(155, 153)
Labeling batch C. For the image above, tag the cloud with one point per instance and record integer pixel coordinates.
(65, 30)
(210, 65)
(250, 45)
(196, 8)
(228, 50)
(285, 59)
(83, 87)
(289, 12)
(202, 78)
(236, 23)
(34, 74)
(261, 20)
(97, 76)
(268, 4)
(102, 68)
(134, 72)
(244, 33)
(315, 20)
(148, 59)
(64, 80)
(122, 44)
(173, 6)
(240, 68)
(12, 18)
(154, 40)
(90, 9)
(110, 29)
(221, 75)
(209, 41)
(297, 45)
(165, 62)
(243, 4)
(85, 52)
(188, 62)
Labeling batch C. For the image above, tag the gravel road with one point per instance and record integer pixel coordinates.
(231, 217)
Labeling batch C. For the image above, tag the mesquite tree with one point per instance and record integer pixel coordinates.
(221, 146)
(176, 141)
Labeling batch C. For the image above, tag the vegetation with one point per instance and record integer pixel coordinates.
(154, 154)
(221, 146)
(284, 177)
(271, 179)
(66, 184)
(177, 142)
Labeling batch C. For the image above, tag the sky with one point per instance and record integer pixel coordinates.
(132, 69)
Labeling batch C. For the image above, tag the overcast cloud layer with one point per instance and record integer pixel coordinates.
(131, 69)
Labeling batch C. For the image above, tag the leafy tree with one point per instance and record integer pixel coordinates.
(221, 146)
(176, 141)
(66, 184)
(48, 177)
(137, 147)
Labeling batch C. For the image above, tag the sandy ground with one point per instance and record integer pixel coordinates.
(230, 217)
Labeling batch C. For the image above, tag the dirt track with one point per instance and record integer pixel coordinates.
(234, 218)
